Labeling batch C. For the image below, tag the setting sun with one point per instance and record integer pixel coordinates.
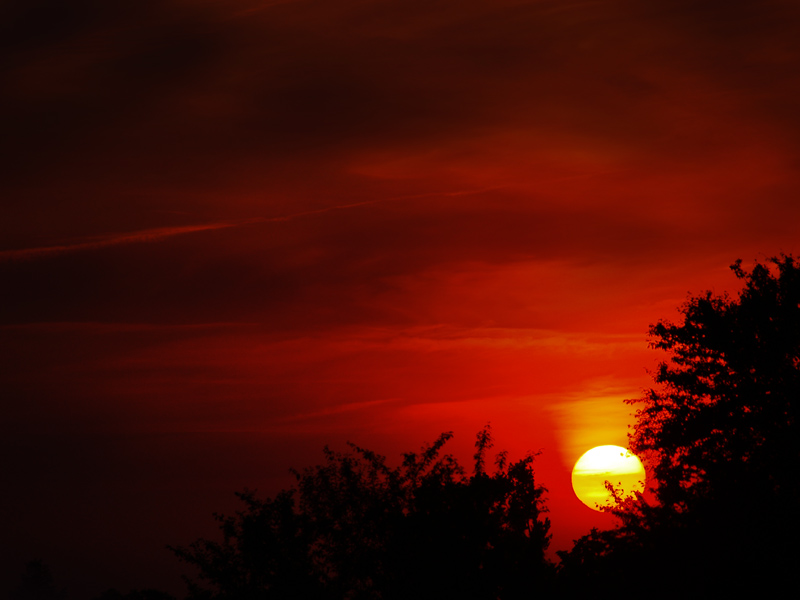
(614, 464)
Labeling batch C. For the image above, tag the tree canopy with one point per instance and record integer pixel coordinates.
(719, 437)
(354, 527)
(725, 416)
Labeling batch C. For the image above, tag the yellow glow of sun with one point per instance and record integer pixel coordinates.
(614, 464)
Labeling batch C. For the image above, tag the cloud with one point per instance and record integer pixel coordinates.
(149, 235)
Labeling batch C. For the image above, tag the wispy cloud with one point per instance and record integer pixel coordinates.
(105, 241)
(159, 233)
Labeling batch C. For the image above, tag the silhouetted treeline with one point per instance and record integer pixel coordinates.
(718, 434)
(357, 528)
(37, 583)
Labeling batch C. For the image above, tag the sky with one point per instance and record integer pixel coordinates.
(235, 231)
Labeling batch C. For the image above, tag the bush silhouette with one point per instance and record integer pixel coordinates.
(355, 527)
(146, 594)
(37, 583)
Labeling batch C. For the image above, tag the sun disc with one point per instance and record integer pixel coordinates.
(615, 464)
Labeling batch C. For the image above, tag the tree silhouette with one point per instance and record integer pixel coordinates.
(725, 417)
(146, 594)
(720, 437)
(37, 583)
(355, 528)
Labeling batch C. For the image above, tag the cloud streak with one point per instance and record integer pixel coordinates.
(117, 239)
(160, 233)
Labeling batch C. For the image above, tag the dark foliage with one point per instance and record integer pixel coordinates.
(146, 594)
(725, 418)
(720, 437)
(355, 528)
(37, 583)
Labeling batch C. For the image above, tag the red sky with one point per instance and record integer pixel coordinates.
(235, 231)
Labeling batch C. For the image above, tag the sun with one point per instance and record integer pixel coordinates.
(614, 464)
